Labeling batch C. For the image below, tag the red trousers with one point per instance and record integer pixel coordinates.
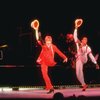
(44, 70)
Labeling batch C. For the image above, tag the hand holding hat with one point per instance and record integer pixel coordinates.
(78, 23)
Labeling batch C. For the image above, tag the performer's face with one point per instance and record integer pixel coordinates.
(84, 40)
(48, 41)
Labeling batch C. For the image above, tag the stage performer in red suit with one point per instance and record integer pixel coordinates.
(46, 58)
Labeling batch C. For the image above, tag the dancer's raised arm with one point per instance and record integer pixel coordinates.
(35, 26)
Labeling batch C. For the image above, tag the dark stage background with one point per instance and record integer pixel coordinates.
(18, 66)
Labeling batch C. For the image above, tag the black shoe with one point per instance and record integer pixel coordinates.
(84, 87)
(50, 91)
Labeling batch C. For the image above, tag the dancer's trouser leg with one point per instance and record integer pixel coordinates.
(79, 72)
(44, 69)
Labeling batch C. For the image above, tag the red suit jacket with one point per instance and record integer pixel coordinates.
(47, 55)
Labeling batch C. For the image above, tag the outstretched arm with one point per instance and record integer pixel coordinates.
(93, 58)
(60, 54)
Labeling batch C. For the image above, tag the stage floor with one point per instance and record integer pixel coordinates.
(39, 93)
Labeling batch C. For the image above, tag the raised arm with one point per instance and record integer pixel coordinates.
(78, 23)
(76, 38)
(75, 35)
(37, 37)
(35, 26)
(37, 34)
